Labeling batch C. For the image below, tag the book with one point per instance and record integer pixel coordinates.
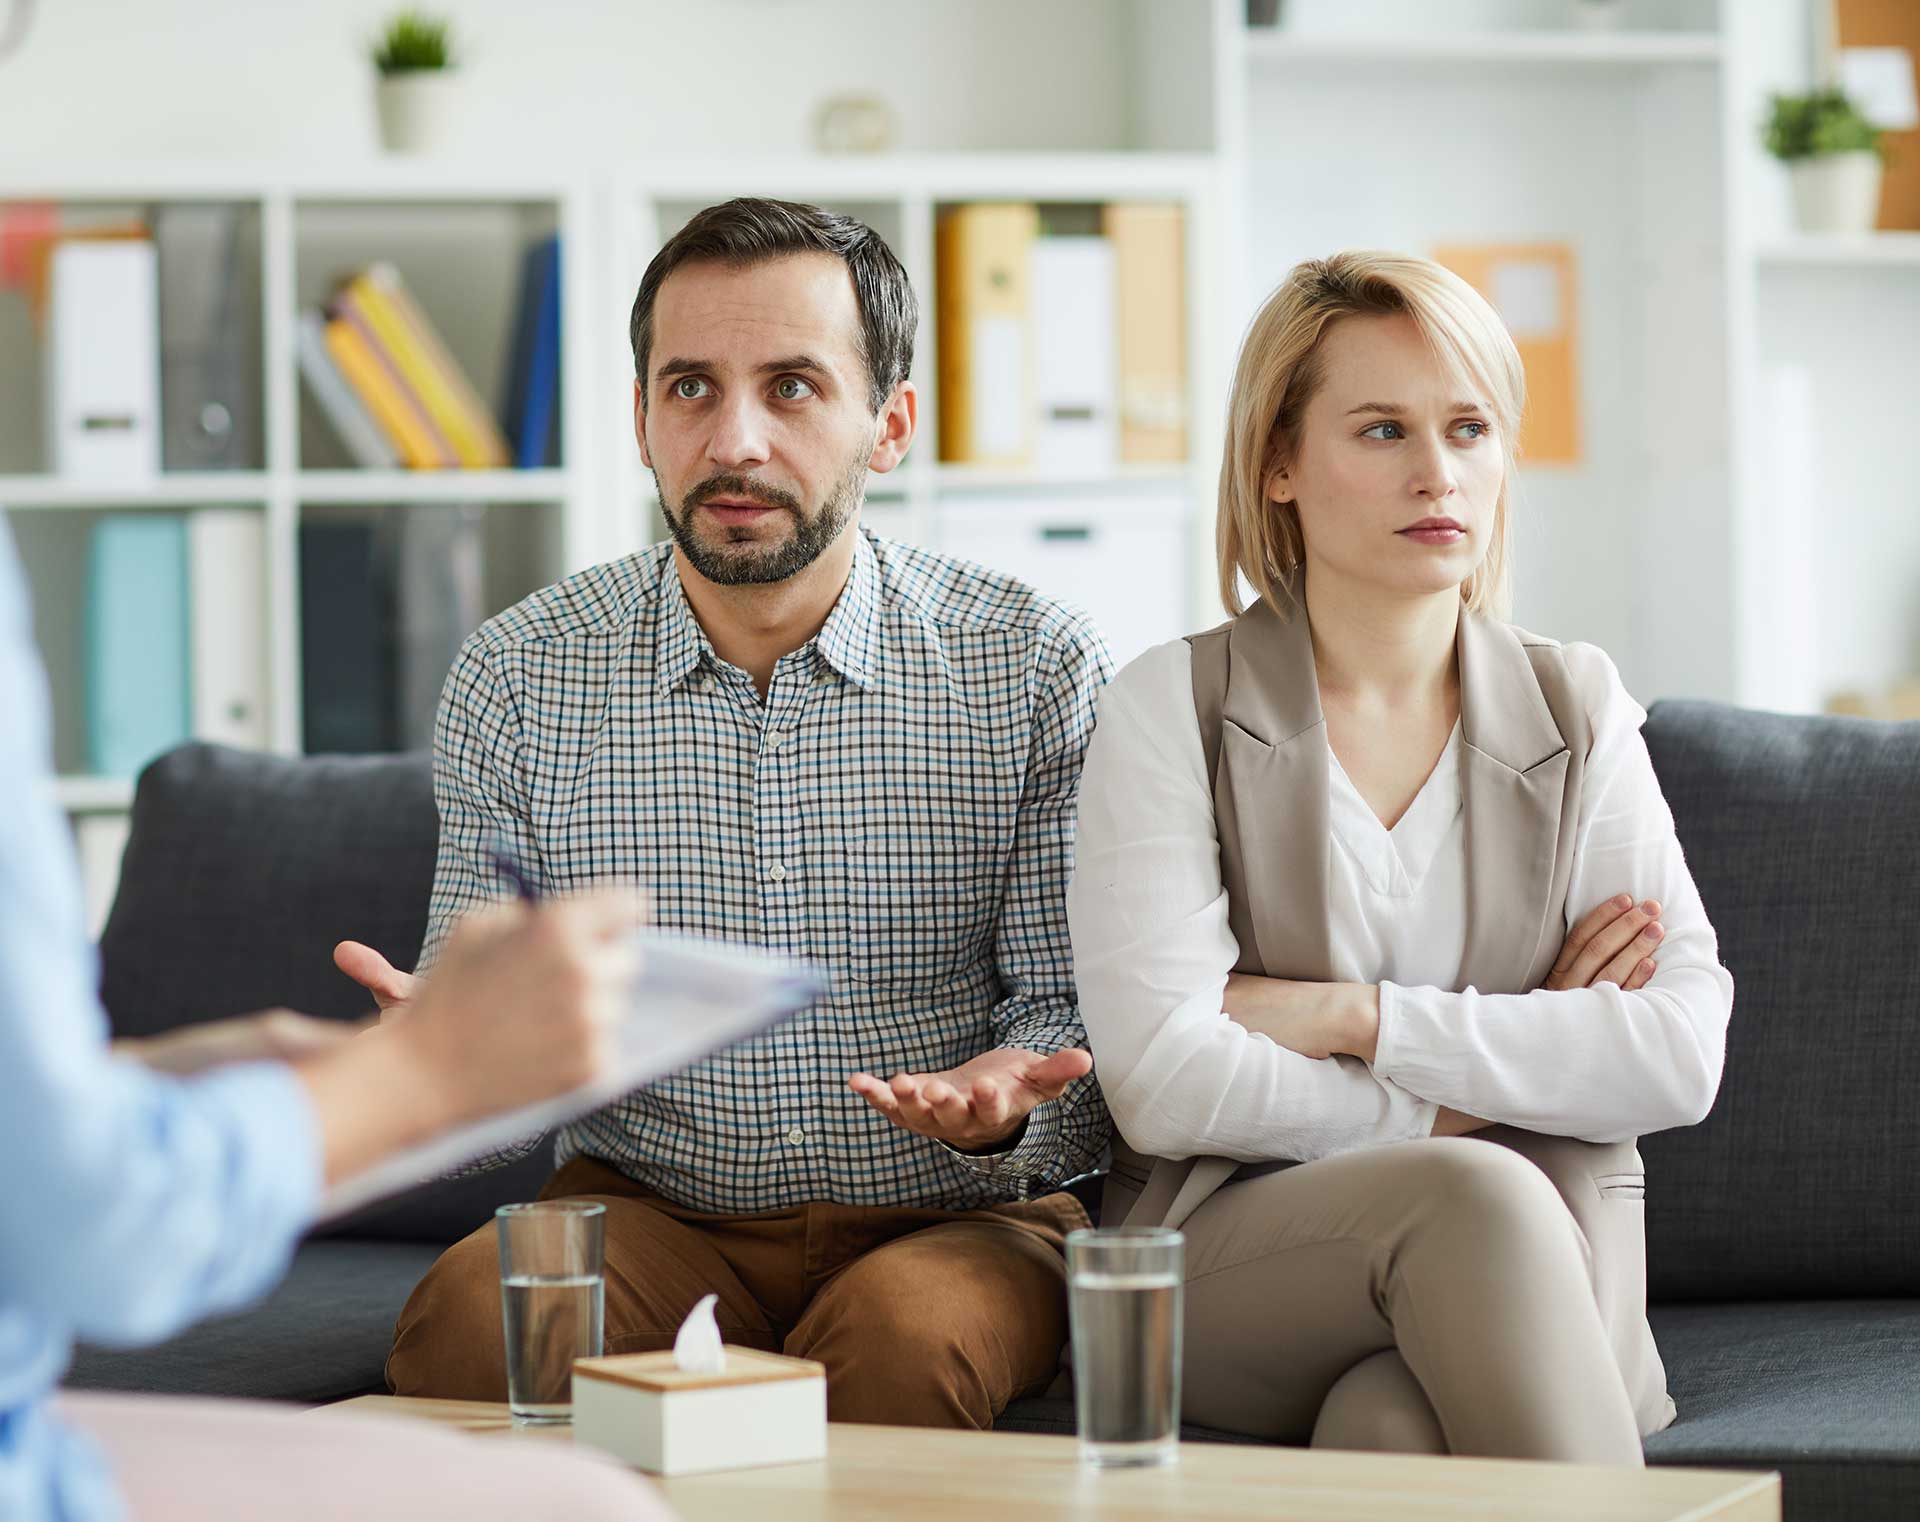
(379, 297)
(982, 304)
(227, 594)
(533, 370)
(351, 420)
(386, 398)
(1150, 283)
(137, 648)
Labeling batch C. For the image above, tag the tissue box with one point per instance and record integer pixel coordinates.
(760, 1408)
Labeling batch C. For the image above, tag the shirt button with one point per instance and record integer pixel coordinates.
(777, 872)
(777, 739)
(796, 1136)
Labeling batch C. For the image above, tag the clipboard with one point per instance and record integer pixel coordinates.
(693, 997)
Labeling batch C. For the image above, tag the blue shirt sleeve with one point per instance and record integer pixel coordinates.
(132, 1204)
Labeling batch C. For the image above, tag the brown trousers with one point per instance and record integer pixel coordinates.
(931, 1318)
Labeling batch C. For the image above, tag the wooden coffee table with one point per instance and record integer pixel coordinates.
(876, 1473)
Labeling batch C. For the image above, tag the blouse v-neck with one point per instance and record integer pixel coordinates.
(1394, 862)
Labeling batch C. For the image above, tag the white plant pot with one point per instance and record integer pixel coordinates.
(1839, 193)
(418, 110)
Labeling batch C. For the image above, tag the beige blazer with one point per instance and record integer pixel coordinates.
(1525, 738)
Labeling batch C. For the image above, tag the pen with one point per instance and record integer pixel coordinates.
(507, 866)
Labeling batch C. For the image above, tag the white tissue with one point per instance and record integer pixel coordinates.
(696, 1346)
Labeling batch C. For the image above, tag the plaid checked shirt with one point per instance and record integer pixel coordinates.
(899, 810)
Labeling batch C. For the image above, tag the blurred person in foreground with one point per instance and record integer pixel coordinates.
(170, 1179)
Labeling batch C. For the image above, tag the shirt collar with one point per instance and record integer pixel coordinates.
(849, 641)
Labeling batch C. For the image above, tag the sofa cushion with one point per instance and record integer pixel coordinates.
(241, 873)
(1804, 836)
(1826, 1392)
(322, 1335)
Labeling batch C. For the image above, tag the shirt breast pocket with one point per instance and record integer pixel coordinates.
(917, 914)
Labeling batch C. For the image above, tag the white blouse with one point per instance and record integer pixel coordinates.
(1152, 951)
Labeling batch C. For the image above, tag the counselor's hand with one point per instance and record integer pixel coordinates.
(1613, 944)
(979, 1104)
(273, 1035)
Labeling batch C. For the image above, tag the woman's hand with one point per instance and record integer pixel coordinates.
(1613, 944)
(274, 1035)
(1313, 1019)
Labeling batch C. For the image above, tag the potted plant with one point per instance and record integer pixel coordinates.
(416, 84)
(1833, 160)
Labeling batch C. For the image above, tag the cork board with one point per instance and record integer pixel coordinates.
(1890, 24)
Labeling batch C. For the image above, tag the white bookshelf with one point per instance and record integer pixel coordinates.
(312, 229)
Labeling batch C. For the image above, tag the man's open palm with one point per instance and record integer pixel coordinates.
(978, 1103)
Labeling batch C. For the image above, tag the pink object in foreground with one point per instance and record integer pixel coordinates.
(181, 1460)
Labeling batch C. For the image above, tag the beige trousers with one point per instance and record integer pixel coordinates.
(1430, 1297)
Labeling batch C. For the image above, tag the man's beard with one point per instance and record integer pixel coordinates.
(746, 562)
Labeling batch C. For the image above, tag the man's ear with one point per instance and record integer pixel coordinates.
(640, 424)
(895, 424)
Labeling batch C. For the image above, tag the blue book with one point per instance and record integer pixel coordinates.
(139, 677)
(533, 389)
(346, 638)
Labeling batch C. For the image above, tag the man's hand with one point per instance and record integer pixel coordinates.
(274, 1035)
(1313, 1019)
(391, 988)
(979, 1104)
(1613, 944)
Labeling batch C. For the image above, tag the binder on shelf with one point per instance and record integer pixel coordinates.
(1074, 369)
(983, 302)
(103, 361)
(380, 299)
(533, 373)
(346, 638)
(1149, 255)
(137, 644)
(227, 589)
(407, 429)
(437, 558)
(351, 420)
(1532, 286)
(209, 383)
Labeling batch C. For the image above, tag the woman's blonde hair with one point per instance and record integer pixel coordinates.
(1281, 368)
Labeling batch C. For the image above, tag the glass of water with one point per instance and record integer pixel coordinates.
(1125, 1288)
(553, 1299)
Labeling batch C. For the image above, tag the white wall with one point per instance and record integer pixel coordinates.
(264, 79)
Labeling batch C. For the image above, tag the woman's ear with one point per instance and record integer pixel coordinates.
(1277, 484)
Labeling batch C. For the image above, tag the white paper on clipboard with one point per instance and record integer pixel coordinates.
(693, 997)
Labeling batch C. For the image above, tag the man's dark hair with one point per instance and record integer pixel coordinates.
(749, 231)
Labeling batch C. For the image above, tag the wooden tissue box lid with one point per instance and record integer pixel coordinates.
(657, 1371)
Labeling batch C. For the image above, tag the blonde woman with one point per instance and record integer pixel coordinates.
(1384, 942)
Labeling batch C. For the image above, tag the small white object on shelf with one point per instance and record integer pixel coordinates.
(1836, 192)
(756, 1409)
(419, 109)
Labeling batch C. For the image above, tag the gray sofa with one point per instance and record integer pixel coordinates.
(1784, 1233)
